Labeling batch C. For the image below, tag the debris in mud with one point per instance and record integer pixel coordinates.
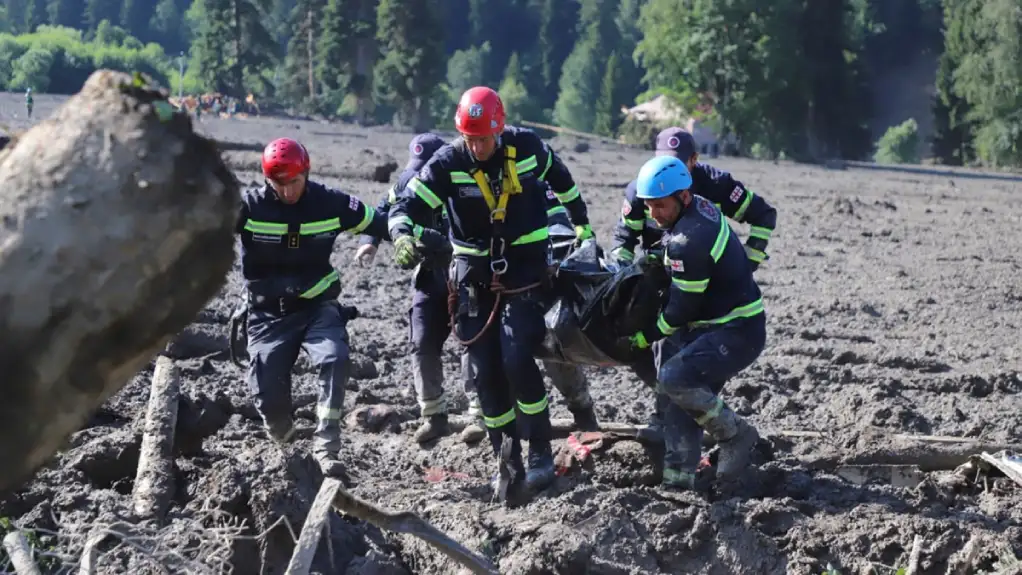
(87, 305)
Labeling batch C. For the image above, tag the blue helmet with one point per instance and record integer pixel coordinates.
(661, 177)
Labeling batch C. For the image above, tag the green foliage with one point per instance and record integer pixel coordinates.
(58, 60)
(899, 145)
(517, 102)
(412, 68)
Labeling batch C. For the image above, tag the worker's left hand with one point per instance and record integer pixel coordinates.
(406, 253)
(365, 255)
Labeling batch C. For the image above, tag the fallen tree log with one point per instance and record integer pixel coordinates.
(154, 482)
(117, 229)
(312, 530)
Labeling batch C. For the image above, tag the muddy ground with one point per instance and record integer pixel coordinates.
(894, 306)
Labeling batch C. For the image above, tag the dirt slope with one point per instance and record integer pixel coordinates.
(894, 307)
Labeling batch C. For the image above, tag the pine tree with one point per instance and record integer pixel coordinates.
(608, 115)
(517, 103)
(411, 38)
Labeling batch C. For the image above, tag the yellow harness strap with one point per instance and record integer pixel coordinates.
(498, 206)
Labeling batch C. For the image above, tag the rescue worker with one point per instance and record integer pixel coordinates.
(287, 229)
(29, 101)
(636, 229)
(712, 325)
(568, 379)
(489, 182)
(428, 316)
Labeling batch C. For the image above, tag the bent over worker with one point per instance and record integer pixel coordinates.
(489, 181)
(712, 327)
(636, 229)
(428, 316)
(287, 228)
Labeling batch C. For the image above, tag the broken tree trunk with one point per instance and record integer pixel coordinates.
(117, 229)
(154, 482)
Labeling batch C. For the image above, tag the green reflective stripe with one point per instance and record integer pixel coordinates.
(721, 242)
(470, 251)
(633, 224)
(272, 228)
(426, 194)
(417, 231)
(760, 232)
(533, 408)
(462, 178)
(398, 221)
(691, 286)
(392, 195)
(540, 235)
(556, 210)
(755, 255)
(321, 286)
(322, 226)
(745, 205)
(527, 164)
(532, 237)
(664, 327)
(716, 204)
(325, 413)
(747, 310)
(623, 254)
(565, 197)
(367, 218)
(549, 162)
(712, 413)
(500, 420)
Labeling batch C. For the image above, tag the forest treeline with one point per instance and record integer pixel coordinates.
(792, 78)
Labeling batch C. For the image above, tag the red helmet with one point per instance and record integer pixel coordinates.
(480, 112)
(284, 158)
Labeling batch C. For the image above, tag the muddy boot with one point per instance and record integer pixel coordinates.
(541, 466)
(678, 480)
(329, 464)
(509, 481)
(281, 432)
(473, 432)
(433, 427)
(736, 439)
(585, 419)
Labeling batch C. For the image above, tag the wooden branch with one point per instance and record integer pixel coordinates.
(118, 229)
(913, 556)
(20, 552)
(308, 541)
(154, 482)
(412, 524)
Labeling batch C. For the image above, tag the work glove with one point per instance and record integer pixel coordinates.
(406, 253)
(583, 233)
(634, 341)
(621, 256)
(365, 254)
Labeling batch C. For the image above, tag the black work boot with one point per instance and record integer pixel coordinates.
(432, 427)
(541, 466)
(677, 479)
(585, 418)
(736, 439)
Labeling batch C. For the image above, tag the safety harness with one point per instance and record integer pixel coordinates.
(510, 185)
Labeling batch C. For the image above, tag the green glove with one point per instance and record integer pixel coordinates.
(583, 233)
(406, 253)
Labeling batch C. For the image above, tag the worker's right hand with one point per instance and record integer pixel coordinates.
(406, 253)
(365, 254)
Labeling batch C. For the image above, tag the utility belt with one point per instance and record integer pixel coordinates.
(292, 299)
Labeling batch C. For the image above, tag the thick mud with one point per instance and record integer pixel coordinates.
(894, 308)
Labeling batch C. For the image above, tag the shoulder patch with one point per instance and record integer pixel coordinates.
(707, 210)
(353, 203)
(550, 195)
(736, 194)
(677, 266)
(626, 207)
